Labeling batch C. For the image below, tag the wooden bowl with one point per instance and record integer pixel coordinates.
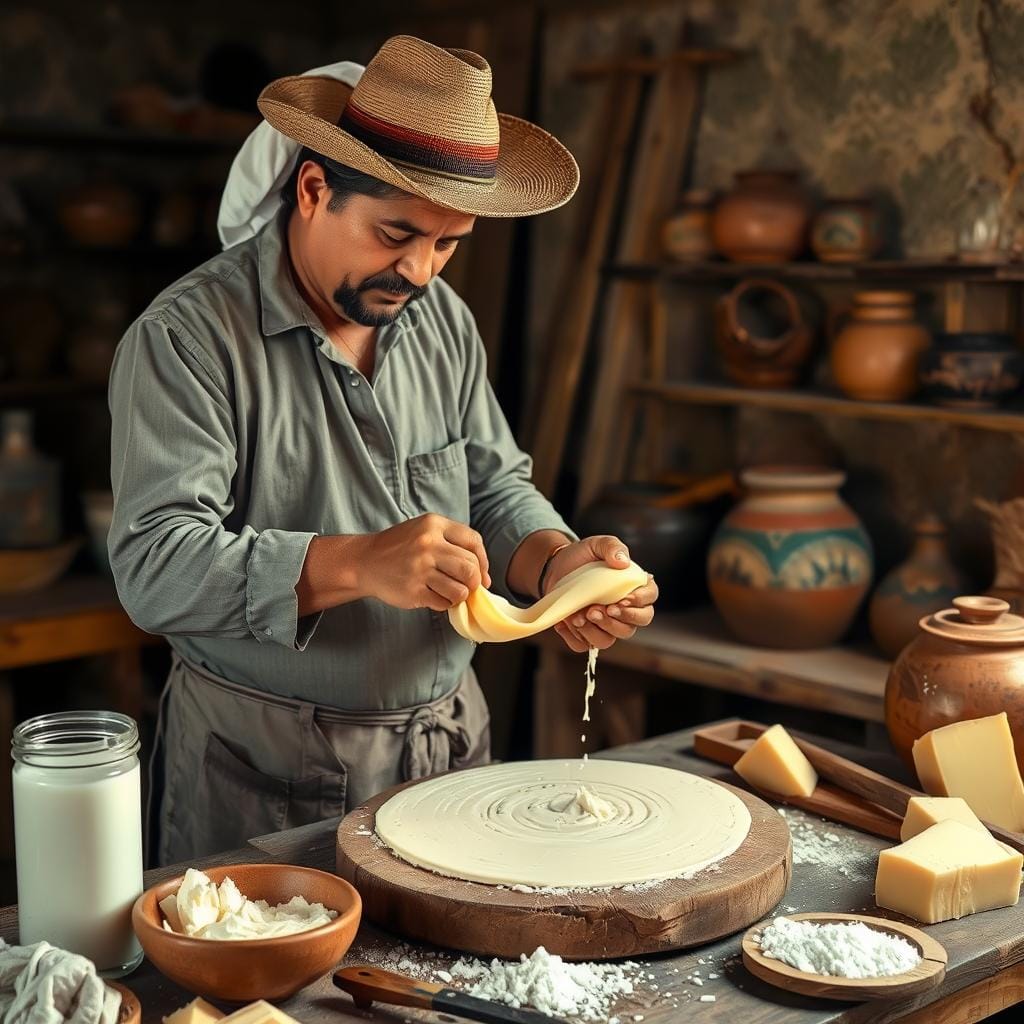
(249, 969)
(23, 569)
(131, 1008)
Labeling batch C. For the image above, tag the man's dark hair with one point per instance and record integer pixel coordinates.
(342, 180)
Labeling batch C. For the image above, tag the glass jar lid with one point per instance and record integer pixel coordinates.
(977, 620)
(72, 739)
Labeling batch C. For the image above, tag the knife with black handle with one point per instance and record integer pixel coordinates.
(368, 985)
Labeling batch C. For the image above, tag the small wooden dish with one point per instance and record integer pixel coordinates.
(927, 974)
(131, 1008)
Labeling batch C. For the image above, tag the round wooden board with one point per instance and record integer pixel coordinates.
(927, 974)
(492, 921)
(131, 1008)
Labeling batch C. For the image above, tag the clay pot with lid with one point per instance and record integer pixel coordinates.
(763, 219)
(966, 662)
(762, 336)
(876, 353)
(925, 582)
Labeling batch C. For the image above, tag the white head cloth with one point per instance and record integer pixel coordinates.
(262, 167)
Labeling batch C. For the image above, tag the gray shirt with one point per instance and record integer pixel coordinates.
(240, 432)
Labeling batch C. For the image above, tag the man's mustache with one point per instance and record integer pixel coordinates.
(393, 283)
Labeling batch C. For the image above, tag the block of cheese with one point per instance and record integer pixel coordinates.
(925, 811)
(776, 764)
(975, 760)
(948, 871)
(199, 1011)
(260, 1012)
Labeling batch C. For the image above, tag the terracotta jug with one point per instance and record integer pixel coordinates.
(926, 582)
(1007, 522)
(761, 346)
(790, 564)
(876, 353)
(763, 219)
(966, 662)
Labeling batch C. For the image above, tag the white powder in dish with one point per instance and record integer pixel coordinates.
(843, 950)
(547, 983)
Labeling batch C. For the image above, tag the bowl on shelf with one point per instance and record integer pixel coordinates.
(248, 969)
(100, 215)
(25, 569)
(973, 370)
(98, 507)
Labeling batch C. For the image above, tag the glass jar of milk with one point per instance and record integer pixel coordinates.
(78, 834)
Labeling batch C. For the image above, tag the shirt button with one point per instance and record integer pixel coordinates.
(355, 381)
(268, 632)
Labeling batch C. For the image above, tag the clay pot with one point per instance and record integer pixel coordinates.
(670, 543)
(876, 353)
(762, 337)
(790, 564)
(966, 662)
(846, 230)
(686, 235)
(926, 582)
(1007, 522)
(763, 219)
(972, 371)
(100, 215)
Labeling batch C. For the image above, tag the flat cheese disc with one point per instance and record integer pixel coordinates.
(521, 824)
(486, 617)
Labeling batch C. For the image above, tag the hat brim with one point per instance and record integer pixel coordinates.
(535, 172)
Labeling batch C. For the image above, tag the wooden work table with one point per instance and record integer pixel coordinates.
(986, 951)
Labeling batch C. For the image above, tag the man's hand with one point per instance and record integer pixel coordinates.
(600, 626)
(427, 562)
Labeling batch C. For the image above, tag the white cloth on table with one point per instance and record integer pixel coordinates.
(41, 984)
(262, 167)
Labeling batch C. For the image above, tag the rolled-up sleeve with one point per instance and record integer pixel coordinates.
(505, 507)
(179, 570)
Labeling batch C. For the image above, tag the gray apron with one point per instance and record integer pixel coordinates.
(234, 763)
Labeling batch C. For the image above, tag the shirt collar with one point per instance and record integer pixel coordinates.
(282, 308)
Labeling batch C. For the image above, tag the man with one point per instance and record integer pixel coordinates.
(310, 468)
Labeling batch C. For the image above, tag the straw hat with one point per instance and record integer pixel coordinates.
(422, 119)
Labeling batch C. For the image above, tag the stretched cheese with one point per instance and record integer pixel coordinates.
(925, 811)
(975, 760)
(484, 616)
(775, 763)
(947, 872)
(199, 1011)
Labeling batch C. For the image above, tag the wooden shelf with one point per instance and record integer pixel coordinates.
(1005, 420)
(694, 646)
(53, 135)
(710, 271)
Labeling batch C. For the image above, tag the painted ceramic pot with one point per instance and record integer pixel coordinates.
(762, 338)
(876, 354)
(972, 370)
(926, 582)
(846, 230)
(791, 563)
(966, 662)
(686, 235)
(763, 219)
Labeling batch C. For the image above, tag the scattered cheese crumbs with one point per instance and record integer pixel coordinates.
(444, 976)
(206, 910)
(712, 977)
(549, 984)
(707, 999)
(840, 950)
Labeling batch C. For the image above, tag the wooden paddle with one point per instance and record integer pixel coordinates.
(857, 796)
(367, 985)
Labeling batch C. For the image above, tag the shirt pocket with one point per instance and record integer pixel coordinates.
(440, 481)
